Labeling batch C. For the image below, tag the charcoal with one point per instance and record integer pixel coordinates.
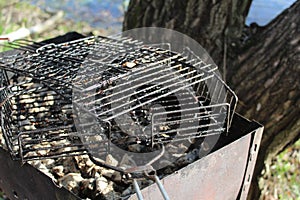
(111, 160)
(71, 181)
(66, 104)
(101, 184)
(69, 165)
(58, 171)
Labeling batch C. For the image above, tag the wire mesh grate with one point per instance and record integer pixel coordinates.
(133, 93)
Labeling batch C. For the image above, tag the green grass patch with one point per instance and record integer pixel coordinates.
(283, 180)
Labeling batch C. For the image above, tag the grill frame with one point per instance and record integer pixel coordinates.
(14, 169)
(55, 84)
(246, 134)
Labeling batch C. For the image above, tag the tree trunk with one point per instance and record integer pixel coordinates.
(263, 68)
(210, 23)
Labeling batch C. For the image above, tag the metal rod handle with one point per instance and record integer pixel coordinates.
(161, 188)
(137, 190)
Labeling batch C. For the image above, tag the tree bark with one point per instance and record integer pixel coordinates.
(263, 68)
(211, 23)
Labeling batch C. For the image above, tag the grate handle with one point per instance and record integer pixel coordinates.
(159, 184)
(137, 190)
(161, 188)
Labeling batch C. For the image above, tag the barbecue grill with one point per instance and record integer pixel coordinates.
(113, 97)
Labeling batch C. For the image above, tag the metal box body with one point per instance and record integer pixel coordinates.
(223, 174)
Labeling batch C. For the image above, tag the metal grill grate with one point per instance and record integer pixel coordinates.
(80, 97)
(171, 96)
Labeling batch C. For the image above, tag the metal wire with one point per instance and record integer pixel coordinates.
(108, 79)
(128, 92)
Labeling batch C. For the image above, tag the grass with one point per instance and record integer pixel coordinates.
(19, 14)
(1, 195)
(283, 179)
(15, 15)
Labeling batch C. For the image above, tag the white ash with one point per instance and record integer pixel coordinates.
(79, 175)
(108, 173)
(38, 109)
(71, 181)
(69, 165)
(58, 171)
(102, 185)
(49, 100)
(110, 160)
(86, 166)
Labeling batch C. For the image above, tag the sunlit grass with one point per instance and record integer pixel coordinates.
(15, 15)
(1, 195)
(21, 14)
(283, 180)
